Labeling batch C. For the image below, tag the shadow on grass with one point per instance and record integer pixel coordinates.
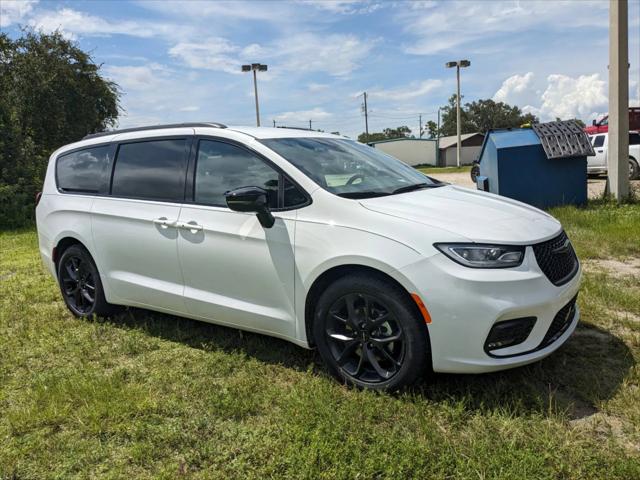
(587, 370)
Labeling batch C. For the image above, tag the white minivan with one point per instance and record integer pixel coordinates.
(312, 238)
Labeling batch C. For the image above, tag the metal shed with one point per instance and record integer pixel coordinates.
(412, 151)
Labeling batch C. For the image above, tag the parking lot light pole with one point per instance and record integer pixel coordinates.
(458, 64)
(255, 67)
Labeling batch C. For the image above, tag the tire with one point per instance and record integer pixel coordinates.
(370, 334)
(634, 169)
(80, 284)
(475, 171)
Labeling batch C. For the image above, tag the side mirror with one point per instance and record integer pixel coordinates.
(251, 199)
(593, 123)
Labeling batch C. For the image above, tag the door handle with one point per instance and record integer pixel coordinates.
(192, 226)
(164, 222)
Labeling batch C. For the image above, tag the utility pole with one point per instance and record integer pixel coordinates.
(618, 149)
(438, 140)
(255, 67)
(274, 123)
(458, 64)
(310, 127)
(366, 116)
(420, 125)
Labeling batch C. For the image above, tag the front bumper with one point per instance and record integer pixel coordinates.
(465, 303)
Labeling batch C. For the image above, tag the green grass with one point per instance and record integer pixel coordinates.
(146, 395)
(432, 170)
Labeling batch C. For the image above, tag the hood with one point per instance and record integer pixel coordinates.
(479, 216)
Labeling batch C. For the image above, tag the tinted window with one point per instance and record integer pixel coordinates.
(634, 139)
(83, 171)
(152, 170)
(221, 167)
(293, 196)
(598, 141)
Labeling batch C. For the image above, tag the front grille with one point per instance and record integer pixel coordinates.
(560, 323)
(557, 259)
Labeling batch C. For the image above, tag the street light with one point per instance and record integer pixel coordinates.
(458, 64)
(255, 67)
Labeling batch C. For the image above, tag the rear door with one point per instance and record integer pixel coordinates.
(134, 225)
(236, 271)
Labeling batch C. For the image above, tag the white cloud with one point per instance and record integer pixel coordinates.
(335, 54)
(190, 108)
(12, 11)
(73, 23)
(136, 78)
(409, 92)
(562, 96)
(343, 6)
(301, 116)
(445, 26)
(209, 54)
(516, 90)
(566, 97)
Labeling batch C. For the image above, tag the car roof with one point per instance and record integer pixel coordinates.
(215, 129)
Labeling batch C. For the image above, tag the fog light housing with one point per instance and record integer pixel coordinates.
(509, 333)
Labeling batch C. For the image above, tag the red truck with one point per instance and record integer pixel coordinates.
(602, 125)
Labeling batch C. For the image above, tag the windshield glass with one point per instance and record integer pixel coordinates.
(348, 168)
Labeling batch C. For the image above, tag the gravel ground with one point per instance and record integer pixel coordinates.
(595, 184)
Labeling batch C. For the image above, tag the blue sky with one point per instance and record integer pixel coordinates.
(180, 61)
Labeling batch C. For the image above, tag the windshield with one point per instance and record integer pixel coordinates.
(348, 168)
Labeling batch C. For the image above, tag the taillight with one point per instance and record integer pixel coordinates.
(38, 197)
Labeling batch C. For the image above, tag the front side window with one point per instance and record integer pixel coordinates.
(598, 141)
(83, 171)
(221, 167)
(348, 168)
(152, 170)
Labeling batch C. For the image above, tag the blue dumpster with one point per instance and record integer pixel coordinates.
(515, 163)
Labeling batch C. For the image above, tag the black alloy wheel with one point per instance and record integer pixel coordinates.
(370, 332)
(78, 285)
(365, 339)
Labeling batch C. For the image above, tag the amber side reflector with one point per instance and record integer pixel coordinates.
(422, 308)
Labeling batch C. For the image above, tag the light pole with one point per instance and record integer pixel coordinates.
(255, 67)
(458, 64)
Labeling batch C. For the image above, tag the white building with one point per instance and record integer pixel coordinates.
(471, 146)
(412, 151)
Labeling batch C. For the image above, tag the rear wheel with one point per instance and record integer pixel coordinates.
(369, 333)
(634, 169)
(80, 284)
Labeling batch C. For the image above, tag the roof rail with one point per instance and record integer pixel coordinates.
(156, 127)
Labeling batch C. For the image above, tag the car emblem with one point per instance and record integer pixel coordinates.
(564, 248)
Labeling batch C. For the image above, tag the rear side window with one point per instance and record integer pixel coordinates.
(598, 141)
(83, 171)
(153, 170)
(634, 139)
(221, 167)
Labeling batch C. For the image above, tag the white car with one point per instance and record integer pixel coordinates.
(598, 163)
(312, 238)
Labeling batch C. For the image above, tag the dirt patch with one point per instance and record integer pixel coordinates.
(629, 267)
(606, 426)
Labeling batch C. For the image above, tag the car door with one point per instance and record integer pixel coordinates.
(600, 148)
(134, 226)
(236, 271)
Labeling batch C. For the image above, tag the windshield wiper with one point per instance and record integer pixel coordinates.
(364, 194)
(416, 186)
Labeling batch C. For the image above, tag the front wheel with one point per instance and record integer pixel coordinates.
(369, 333)
(80, 284)
(475, 172)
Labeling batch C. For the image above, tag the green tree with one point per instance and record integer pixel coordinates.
(52, 94)
(386, 134)
(481, 116)
(432, 129)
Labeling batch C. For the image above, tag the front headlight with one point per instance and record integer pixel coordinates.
(477, 255)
